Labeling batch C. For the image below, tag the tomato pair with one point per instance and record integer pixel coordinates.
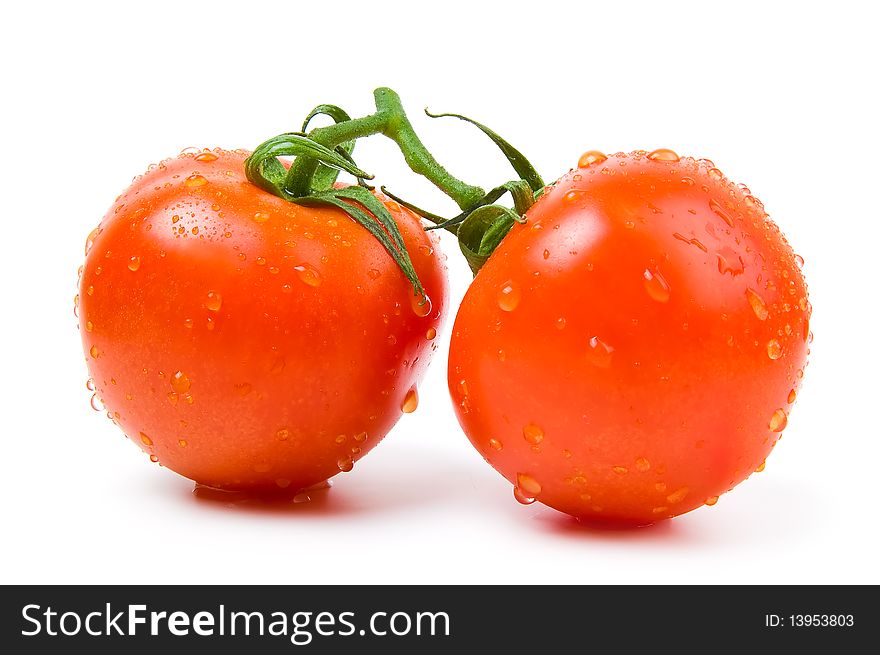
(629, 350)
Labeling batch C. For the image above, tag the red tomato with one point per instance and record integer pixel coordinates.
(246, 342)
(633, 350)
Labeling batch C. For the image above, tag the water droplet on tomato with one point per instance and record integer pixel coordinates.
(677, 496)
(195, 180)
(154, 459)
(431, 334)
(89, 326)
(574, 195)
(799, 261)
(182, 443)
(711, 500)
(715, 174)
(560, 323)
(495, 444)
(642, 464)
(282, 434)
(655, 285)
(410, 401)
(720, 212)
(533, 434)
(90, 384)
(213, 301)
(591, 157)
(521, 497)
(620, 470)
(660, 510)
(757, 303)
(663, 154)
(345, 464)
(778, 420)
(134, 263)
(374, 273)
(146, 440)
(660, 487)
(687, 181)
(774, 349)
(761, 467)
(76, 305)
(180, 382)
(93, 351)
(792, 396)
(509, 296)
(95, 402)
(90, 240)
(360, 437)
(308, 275)
(206, 156)
(421, 305)
(599, 353)
(528, 485)
(261, 217)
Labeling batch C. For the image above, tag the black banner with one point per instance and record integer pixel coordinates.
(418, 619)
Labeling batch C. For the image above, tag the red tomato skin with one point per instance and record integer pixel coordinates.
(632, 351)
(246, 342)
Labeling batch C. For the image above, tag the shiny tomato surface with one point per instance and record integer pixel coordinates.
(633, 350)
(246, 342)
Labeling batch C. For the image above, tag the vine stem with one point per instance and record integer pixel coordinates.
(390, 120)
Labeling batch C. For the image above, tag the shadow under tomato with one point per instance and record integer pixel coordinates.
(557, 523)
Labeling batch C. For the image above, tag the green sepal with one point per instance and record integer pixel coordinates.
(325, 177)
(521, 165)
(265, 170)
(482, 231)
(368, 211)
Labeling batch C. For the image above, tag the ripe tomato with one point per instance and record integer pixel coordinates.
(246, 342)
(632, 351)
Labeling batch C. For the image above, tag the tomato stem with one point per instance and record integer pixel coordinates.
(390, 120)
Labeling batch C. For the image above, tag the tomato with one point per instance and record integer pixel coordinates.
(247, 342)
(632, 351)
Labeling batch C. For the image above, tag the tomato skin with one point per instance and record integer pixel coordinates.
(246, 342)
(632, 351)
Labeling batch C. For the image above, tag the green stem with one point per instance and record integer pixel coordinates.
(390, 120)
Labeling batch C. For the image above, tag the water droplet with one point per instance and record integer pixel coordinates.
(521, 497)
(308, 275)
(180, 382)
(76, 305)
(154, 459)
(528, 485)
(599, 353)
(93, 351)
(677, 496)
(410, 401)
(687, 181)
(715, 174)
(134, 263)
(374, 273)
(173, 397)
(620, 470)
(574, 195)
(146, 440)
(533, 434)
(757, 303)
(774, 350)
(560, 323)
(778, 421)
(426, 250)
(95, 402)
(799, 261)
(729, 261)
(509, 296)
(655, 285)
(431, 334)
(205, 156)
(720, 212)
(663, 154)
(182, 443)
(792, 396)
(643, 464)
(90, 384)
(213, 301)
(90, 240)
(345, 464)
(421, 305)
(660, 487)
(283, 434)
(360, 437)
(660, 510)
(761, 467)
(495, 444)
(591, 157)
(195, 180)
(711, 500)
(261, 217)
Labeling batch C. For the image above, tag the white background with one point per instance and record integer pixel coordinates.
(779, 95)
